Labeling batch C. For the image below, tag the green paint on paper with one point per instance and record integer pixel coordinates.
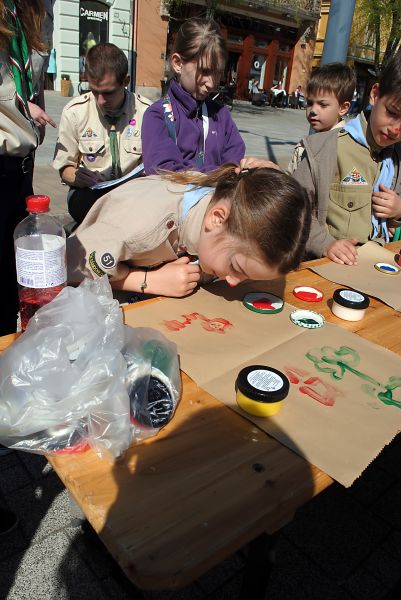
(338, 362)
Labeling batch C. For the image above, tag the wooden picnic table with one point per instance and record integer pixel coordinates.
(211, 481)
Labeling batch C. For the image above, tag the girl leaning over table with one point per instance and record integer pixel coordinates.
(146, 233)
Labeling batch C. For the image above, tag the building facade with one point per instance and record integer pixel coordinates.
(268, 40)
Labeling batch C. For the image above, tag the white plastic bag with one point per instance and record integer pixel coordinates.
(62, 382)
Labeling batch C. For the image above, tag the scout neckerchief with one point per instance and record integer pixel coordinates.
(19, 58)
(170, 124)
(114, 150)
(354, 128)
(192, 196)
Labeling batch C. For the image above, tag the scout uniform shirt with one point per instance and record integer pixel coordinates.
(138, 224)
(84, 135)
(18, 136)
(358, 168)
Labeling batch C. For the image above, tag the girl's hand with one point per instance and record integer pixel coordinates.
(343, 252)
(255, 162)
(386, 203)
(174, 279)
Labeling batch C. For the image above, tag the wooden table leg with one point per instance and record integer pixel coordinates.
(258, 567)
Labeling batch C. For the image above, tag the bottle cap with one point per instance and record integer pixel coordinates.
(307, 318)
(263, 302)
(308, 293)
(351, 298)
(263, 383)
(37, 204)
(386, 268)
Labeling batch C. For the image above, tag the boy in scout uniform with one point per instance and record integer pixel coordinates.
(100, 132)
(352, 175)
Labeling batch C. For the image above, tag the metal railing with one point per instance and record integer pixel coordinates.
(309, 9)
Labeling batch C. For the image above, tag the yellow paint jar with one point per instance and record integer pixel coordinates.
(261, 390)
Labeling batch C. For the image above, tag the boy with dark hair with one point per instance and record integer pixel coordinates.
(100, 131)
(329, 94)
(353, 177)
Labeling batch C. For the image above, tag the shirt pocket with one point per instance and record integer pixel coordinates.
(132, 146)
(350, 211)
(92, 153)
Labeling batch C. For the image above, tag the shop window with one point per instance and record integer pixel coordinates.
(93, 29)
(234, 38)
(284, 47)
(261, 43)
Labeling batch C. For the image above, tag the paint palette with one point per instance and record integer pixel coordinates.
(263, 302)
(307, 318)
(387, 268)
(308, 293)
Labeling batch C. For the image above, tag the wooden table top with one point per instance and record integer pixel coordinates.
(211, 481)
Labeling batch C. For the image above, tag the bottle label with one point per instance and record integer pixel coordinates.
(265, 380)
(42, 268)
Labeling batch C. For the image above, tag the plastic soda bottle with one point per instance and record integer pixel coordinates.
(40, 255)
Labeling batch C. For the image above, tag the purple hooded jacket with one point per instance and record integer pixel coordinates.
(223, 143)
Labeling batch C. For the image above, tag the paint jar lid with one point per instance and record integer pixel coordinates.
(307, 318)
(387, 268)
(262, 383)
(263, 302)
(351, 298)
(151, 400)
(308, 293)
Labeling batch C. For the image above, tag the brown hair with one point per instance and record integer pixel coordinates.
(269, 209)
(334, 78)
(106, 58)
(31, 14)
(201, 40)
(390, 78)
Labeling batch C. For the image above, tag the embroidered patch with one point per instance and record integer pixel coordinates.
(90, 157)
(89, 133)
(129, 132)
(107, 260)
(132, 122)
(94, 266)
(354, 177)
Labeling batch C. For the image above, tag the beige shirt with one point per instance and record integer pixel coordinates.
(17, 133)
(84, 135)
(138, 224)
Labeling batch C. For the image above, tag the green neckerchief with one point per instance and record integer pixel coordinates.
(115, 153)
(19, 58)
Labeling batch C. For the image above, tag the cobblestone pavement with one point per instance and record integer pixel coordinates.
(343, 545)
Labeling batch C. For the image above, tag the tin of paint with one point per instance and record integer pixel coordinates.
(307, 318)
(263, 302)
(151, 400)
(349, 305)
(308, 293)
(387, 269)
(261, 390)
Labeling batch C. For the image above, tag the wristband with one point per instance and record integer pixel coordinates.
(144, 285)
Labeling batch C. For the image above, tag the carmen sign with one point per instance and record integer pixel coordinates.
(94, 15)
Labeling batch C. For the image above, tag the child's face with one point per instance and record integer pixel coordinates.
(323, 111)
(201, 86)
(225, 257)
(385, 118)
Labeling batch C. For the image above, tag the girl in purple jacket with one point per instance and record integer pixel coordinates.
(186, 129)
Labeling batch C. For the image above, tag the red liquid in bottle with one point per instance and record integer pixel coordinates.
(32, 299)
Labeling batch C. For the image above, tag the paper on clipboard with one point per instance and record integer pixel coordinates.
(131, 175)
